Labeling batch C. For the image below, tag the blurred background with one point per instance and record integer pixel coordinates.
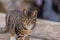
(47, 9)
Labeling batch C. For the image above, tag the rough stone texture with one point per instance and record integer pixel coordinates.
(2, 24)
(2, 20)
(44, 30)
(4, 36)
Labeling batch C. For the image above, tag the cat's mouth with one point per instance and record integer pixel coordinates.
(29, 27)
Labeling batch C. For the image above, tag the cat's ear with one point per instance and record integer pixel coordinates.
(34, 13)
(25, 11)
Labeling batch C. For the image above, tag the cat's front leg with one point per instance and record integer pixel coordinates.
(12, 38)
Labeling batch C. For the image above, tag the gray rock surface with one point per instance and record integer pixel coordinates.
(44, 30)
(4, 36)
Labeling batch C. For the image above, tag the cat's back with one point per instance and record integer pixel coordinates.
(13, 16)
(15, 12)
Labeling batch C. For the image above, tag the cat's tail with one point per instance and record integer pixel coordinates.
(3, 30)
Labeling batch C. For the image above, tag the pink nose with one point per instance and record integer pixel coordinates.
(38, 2)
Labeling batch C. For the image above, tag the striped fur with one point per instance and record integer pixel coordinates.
(20, 23)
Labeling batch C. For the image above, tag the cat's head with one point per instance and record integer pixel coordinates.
(29, 17)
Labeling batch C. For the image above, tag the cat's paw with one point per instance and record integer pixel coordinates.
(12, 38)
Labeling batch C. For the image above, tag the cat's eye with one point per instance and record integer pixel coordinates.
(34, 13)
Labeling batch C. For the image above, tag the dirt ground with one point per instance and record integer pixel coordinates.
(44, 30)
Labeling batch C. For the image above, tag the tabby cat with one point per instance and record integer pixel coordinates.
(20, 23)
